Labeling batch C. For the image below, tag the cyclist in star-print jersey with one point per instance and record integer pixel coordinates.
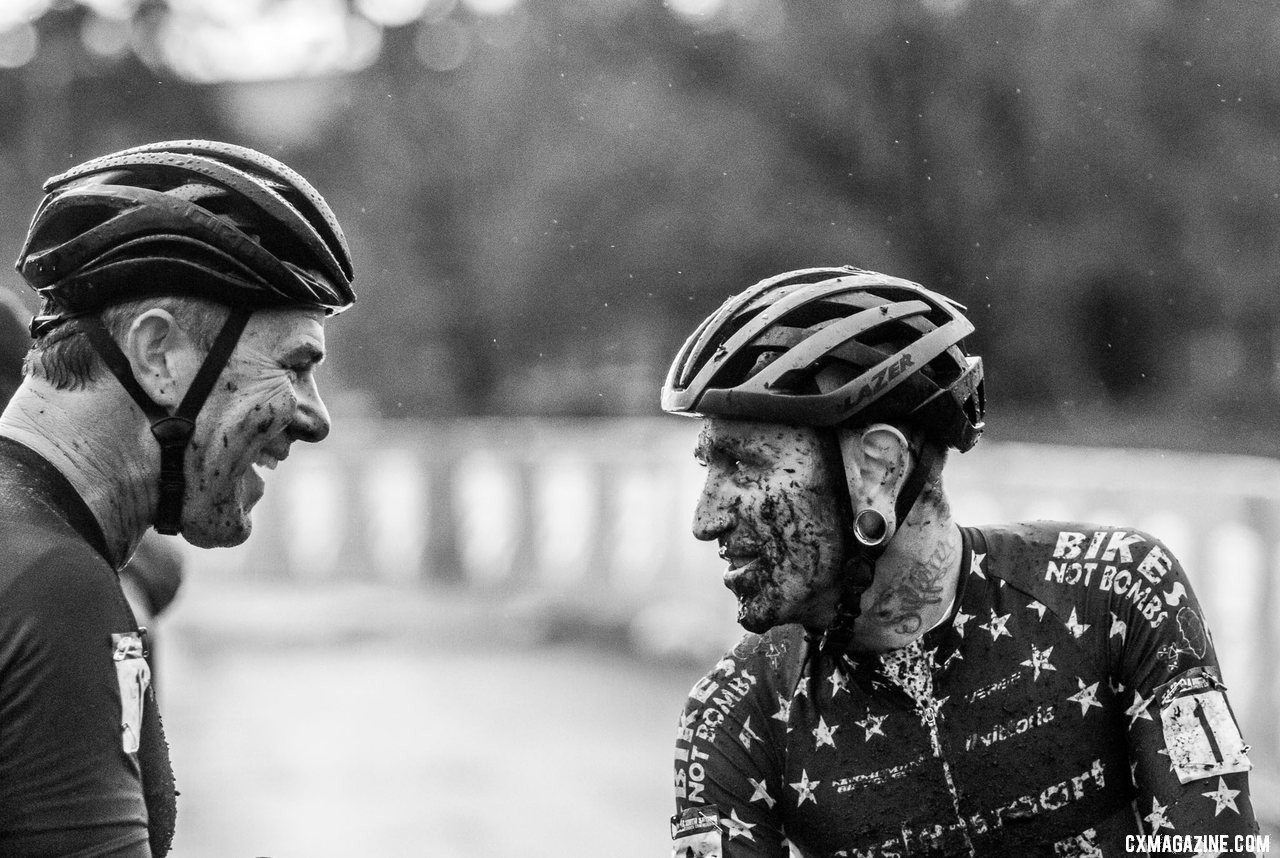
(910, 686)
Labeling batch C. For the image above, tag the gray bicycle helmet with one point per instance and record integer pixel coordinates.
(771, 352)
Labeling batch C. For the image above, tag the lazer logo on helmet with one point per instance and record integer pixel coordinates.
(880, 381)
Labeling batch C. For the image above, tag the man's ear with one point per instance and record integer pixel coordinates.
(877, 459)
(163, 356)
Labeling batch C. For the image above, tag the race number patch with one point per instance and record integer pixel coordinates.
(696, 832)
(134, 677)
(1199, 729)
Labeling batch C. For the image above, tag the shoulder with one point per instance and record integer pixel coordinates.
(1028, 548)
(1068, 565)
(32, 532)
(1071, 539)
(54, 579)
(733, 725)
(776, 647)
(759, 668)
(773, 659)
(56, 557)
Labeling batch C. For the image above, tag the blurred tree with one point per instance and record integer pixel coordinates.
(543, 198)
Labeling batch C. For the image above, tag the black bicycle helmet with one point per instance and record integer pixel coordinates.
(190, 217)
(769, 354)
(185, 217)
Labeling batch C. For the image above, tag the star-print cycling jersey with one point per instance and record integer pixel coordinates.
(1072, 698)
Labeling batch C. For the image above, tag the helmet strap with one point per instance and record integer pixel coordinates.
(172, 431)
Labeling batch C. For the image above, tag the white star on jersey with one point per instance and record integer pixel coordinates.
(805, 788)
(1139, 708)
(784, 710)
(1118, 627)
(996, 626)
(1222, 797)
(1087, 696)
(871, 724)
(960, 621)
(1038, 608)
(762, 793)
(975, 563)
(1157, 818)
(838, 682)
(738, 828)
(1039, 661)
(824, 735)
(1076, 627)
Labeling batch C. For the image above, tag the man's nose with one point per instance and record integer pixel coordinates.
(711, 517)
(310, 418)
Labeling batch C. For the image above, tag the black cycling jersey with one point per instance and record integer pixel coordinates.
(79, 732)
(1072, 698)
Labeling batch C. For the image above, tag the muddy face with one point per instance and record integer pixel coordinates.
(770, 502)
(265, 399)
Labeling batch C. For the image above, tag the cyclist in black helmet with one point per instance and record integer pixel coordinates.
(184, 290)
(910, 686)
(152, 576)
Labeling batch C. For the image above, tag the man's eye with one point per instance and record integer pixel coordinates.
(730, 465)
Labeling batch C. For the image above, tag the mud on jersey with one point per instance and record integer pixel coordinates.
(1072, 698)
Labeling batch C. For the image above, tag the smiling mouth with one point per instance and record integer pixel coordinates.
(267, 461)
(739, 576)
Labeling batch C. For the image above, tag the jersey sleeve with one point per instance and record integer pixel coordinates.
(727, 775)
(1189, 762)
(72, 680)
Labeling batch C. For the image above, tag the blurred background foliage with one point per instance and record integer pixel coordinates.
(545, 196)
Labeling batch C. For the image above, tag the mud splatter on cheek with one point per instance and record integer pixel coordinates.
(263, 418)
(199, 459)
(268, 420)
(778, 516)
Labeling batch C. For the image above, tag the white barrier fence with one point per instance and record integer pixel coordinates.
(597, 513)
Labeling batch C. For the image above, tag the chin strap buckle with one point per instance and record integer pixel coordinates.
(173, 433)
